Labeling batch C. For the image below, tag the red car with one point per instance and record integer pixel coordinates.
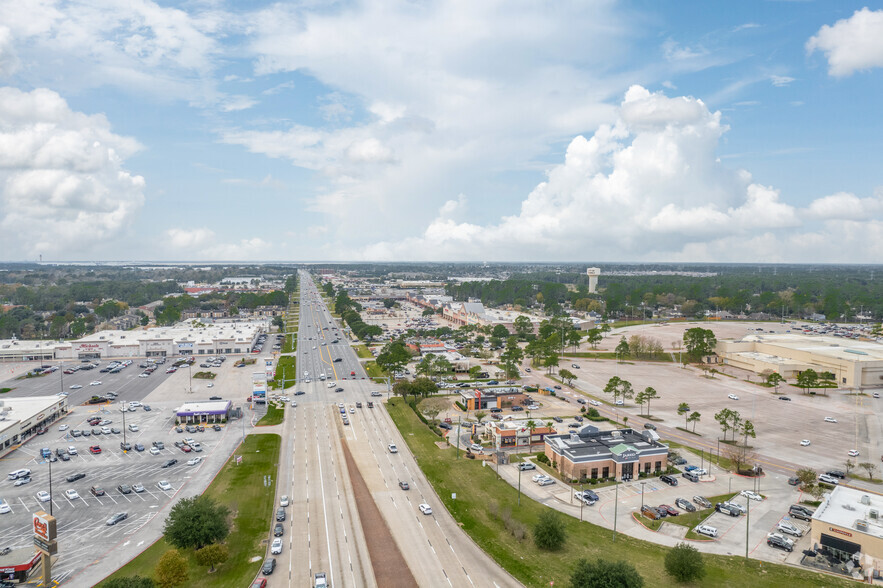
(186, 448)
(672, 512)
(259, 583)
(352, 373)
(95, 449)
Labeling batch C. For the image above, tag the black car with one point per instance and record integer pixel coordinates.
(75, 477)
(784, 398)
(338, 389)
(685, 504)
(337, 359)
(836, 474)
(299, 393)
(557, 419)
(720, 507)
(124, 489)
(214, 398)
(120, 516)
(670, 480)
(169, 463)
(446, 426)
(590, 495)
(278, 530)
(216, 427)
(280, 514)
(650, 426)
(269, 566)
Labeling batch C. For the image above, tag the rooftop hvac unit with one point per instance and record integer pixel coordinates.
(873, 514)
(866, 499)
(861, 526)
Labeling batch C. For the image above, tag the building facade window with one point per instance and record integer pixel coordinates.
(594, 473)
(605, 473)
(647, 467)
(658, 465)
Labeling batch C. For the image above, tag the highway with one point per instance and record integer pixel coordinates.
(323, 530)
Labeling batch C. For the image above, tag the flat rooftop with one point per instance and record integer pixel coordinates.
(205, 333)
(834, 347)
(589, 442)
(843, 507)
(23, 408)
(204, 407)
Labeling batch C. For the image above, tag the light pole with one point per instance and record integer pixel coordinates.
(747, 523)
(519, 486)
(190, 373)
(122, 406)
(582, 502)
(615, 507)
(459, 419)
(50, 484)
(642, 495)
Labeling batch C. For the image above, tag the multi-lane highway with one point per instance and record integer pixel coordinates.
(323, 530)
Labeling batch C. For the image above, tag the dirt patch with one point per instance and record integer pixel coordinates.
(389, 566)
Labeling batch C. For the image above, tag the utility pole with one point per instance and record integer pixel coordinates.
(458, 440)
(615, 508)
(747, 523)
(519, 486)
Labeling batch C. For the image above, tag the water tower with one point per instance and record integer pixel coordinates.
(593, 273)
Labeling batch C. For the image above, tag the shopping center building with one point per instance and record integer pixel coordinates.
(24, 417)
(621, 453)
(848, 525)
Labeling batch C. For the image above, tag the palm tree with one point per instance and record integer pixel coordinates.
(684, 408)
(531, 425)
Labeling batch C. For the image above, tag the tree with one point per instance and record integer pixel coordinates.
(605, 574)
(393, 357)
(480, 415)
(402, 388)
(423, 387)
(549, 532)
(849, 465)
(425, 366)
(129, 582)
(694, 418)
(806, 476)
(807, 379)
(649, 394)
(213, 554)
(699, 342)
(523, 327)
(567, 375)
(626, 390)
(573, 337)
(640, 400)
(746, 429)
(622, 349)
(684, 408)
(594, 337)
(723, 418)
(612, 387)
(196, 522)
(870, 468)
(684, 563)
(171, 569)
(774, 379)
(474, 371)
(500, 331)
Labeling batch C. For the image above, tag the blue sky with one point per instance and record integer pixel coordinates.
(604, 131)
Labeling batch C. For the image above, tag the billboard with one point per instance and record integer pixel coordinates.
(259, 385)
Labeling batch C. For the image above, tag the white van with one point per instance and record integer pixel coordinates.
(23, 473)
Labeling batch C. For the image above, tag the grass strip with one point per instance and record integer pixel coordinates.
(481, 496)
(363, 351)
(251, 505)
(275, 415)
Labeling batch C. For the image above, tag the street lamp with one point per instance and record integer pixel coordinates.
(50, 483)
(615, 506)
(642, 495)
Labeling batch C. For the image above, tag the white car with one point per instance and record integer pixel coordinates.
(594, 403)
(392, 448)
(144, 375)
(276, 547)
(194, 461)
(707, 530)
(4, 507)
(829, 479)
(533, 407)
(751, 495)
(352, 410)
(95, 383)
(133, 427)
(425, 509)
(789, 528)
(43, 496)
(134, 404)
(619, 403)
(284, 501)
(732, 397)
(701, 472)
(546, 481)
(154, 451)
(853, 453)
(63, 428)
(332, 384)
(210, 385)
(830, 420)
(71, 494)
(163, 485)
(804, 443)
(71, 450)
(76, 386)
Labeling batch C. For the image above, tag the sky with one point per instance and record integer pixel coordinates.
(424, 130)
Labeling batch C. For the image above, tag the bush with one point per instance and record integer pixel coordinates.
(605, 574)
(549, 532)
(460, 405)
(684, 563)
(543, 458)
(592, 412)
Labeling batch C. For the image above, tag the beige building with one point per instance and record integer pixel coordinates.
(589, 453)
(855, 364)
(848, 526)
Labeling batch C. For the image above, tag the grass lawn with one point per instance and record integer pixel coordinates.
(289, 344)
(286, 366)
(363, 351)
(275, 415)
(251, 506)
(480, 494)
(723, 462)
(5, 390)
(373, 370)
(651, 524)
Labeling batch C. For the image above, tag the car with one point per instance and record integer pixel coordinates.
(404, 485)
(154, 451)
(425, 509)
(133, 428)
(804, 443)
(118, 517)
(794, 481)
(825, 478)
(276, 546)
(43, 496)
(651, 512)
(124, 489)
(526, 465)
(670, 480)
(115, 431)
(392, 448)
(876, 395)
(280, 514)
(95, 383)
(685, 505)
(125, 446)
(71, 494)
(63, 428)
(619, 402)
(700, 472)
(159, 444)
(786, 398)
(789, 528)
(185, 448)
(278, 530)
(22, 481)
(137, 488)
(732, 397)
(76, 433)
(476, 447)
(751, 495)
(830, 420)
(284, 501)
(163, 485)
(853, 453)
(672, 512)
(269, 566)
(76, 386)
(837, 474)
(4, 507)
(706, 530)
(97, 491)
(780, 542)
(727, 509)
(259, 583)
(702, 501)
(94, 449)
(169, 463)
(650, 426)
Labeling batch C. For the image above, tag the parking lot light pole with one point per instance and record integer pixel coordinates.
(642, 495)
(50, 485)
(582, 502)
(747, 523)
(615, 507)
(519, 485)
(124, 426)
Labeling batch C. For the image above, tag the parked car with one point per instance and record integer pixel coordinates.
(685, 504)
(75, 477)
(276, 546)
(702, 501)
(706, 530)
(651, 513)
(278, 530)
(798, 511)
(672, 512)
(526, 465)
(120, 516)
(97, 491)
(269, 566)
(780, 542)
(789, 528)
(670, 480)
(825, 478)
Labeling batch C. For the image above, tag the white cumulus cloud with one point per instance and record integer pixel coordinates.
(851, 44)
(62, 182)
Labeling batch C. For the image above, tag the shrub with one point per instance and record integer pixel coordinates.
(684, 563)
(543, 458)
(605, 574)
(549, 532)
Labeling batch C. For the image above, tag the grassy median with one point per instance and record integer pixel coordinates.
(275, 415)
(482, 496)
(240, 489)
